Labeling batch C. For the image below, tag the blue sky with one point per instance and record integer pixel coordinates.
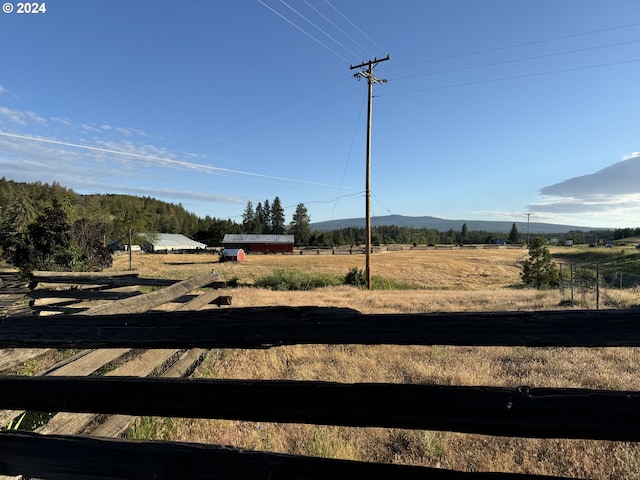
(492, 108)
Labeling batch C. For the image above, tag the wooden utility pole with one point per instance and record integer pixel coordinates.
(528, 214)
(371, 79)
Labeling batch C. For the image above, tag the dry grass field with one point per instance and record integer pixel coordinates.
(447, 280)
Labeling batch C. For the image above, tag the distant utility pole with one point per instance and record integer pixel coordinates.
(528, 214)
(371, 79)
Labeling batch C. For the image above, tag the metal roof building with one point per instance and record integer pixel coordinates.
(259, 243)
(171, 242)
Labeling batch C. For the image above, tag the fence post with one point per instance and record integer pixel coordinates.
(560, 282)
(598, 286)
(571, 280)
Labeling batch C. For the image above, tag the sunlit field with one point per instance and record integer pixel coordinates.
(445, 281)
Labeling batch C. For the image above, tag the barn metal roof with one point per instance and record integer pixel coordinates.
(255, 238)
(174, 241)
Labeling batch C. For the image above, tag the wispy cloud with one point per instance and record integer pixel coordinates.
(21, 117)
(144, 154)
(102, 157)
(613, 190)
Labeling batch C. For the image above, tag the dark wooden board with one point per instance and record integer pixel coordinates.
(84, 458)
(522, 412)
(265, 327)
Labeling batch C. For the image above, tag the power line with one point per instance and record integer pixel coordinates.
(344, 172)
(303, 31)
(337, 27)
(535, 57)
(282, 119)
(515, 77)
(264, 112)
(318, 28)
(517, 45)
(356, 27)
(382, 204)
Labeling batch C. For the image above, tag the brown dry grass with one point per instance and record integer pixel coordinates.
(431, 269)
(451, 281)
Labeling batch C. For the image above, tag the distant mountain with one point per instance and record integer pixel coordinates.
(444, 225)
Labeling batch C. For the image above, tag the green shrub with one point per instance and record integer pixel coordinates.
(355, 277)
(284, 280)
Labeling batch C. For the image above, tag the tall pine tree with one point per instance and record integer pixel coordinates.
(301, 225)
(249, 218)
(277, 217)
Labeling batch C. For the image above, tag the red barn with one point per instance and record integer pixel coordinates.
(252, 243)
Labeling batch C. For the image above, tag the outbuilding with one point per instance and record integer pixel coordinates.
(255, 243)
(171, 242)
(232, 255)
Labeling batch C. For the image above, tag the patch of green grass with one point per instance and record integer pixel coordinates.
(328, 442)
(356, 278)
(151, 428)
(284, 280)
(385, 283)
(433, 449)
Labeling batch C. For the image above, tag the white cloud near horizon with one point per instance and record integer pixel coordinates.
(613, 190)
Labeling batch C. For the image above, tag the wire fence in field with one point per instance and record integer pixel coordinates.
(592, 285)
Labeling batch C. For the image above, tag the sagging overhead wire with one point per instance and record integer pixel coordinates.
(323, 31)
(517, 45)
(356, 27)
(514, 77)
(516, 60)
(318, 28)
(264, 112)
(305, 32)
(337, 27)
(353, 140)
(282, 119)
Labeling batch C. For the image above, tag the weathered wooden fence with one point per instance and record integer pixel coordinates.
(570, 413)
(519, 412)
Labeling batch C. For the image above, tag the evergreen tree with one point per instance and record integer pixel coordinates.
(266, 217)
(15, 221)
(464, 234)
(538, 270)
(301, 225)
(514, 236)
(259, 222)
(277, 217)
(249, 218)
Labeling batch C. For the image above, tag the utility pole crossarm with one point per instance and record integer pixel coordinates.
(370, 63)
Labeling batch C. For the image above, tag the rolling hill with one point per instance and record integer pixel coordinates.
(444, 225)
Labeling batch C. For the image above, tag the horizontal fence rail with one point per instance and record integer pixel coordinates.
(521, 412)
(518, 412)
(274, 326)
(69, 458)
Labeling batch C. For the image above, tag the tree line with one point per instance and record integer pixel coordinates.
(66, 230)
